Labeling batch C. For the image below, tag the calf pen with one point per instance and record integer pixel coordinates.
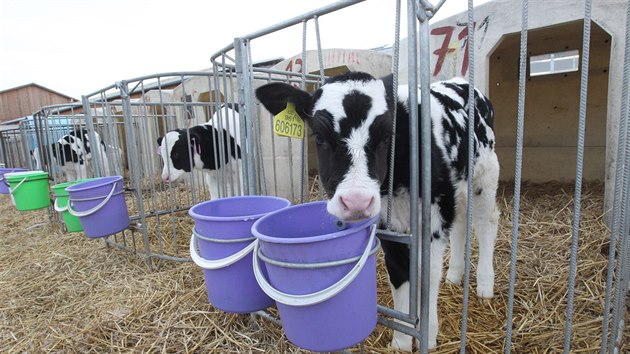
(308, 76)
(559, 228)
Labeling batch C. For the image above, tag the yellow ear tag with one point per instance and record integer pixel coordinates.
(288, 123)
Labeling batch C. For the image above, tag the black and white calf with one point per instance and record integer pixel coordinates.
(202, 146)
(73, 152)
(351, 118)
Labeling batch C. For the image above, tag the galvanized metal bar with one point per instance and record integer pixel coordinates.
(389, 312)
(25, 145)
(148, 256)
(245, 100)
(394, 236)
(274, 168)
(397, 326)
(285, 24)
(152, 170)
(392, 148)
(303, 146)
(133, 166)
(522, 79)
(322, 76)
(256, 126)
(620, 179)
(94, 143)
(621, 232)
(421, 239)
(578, 174)
(285, 76)
(622, 287)
(470, 175)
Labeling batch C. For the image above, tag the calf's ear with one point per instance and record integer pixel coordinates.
(159, 140)
(274, 97)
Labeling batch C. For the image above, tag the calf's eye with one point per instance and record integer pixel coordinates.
(319, 140)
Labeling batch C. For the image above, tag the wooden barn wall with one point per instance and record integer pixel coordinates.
(26, 100)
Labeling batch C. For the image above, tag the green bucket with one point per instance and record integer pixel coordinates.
(29, 189)
(61, 205)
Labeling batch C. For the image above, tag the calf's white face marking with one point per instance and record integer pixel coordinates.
(350, 118)
(176, 162)
(357, 195)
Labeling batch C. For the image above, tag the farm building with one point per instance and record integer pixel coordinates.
(23, 100)
(554, 51)
(16, 104)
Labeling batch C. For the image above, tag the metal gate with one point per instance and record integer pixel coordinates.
(14, 146)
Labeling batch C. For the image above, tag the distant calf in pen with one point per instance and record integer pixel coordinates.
(73, 152)
(351, 118)
(213, 147)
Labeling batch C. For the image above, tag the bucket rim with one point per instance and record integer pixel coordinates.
(30, 175)
(356, 226)
(5, 170)
(62, 186)
(93, 183)
(192, 212)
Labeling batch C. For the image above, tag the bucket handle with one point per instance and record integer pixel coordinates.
(58, 208)
(316, 297)
(217, 263)
(12, 190)
(4, 181)
(93, 210)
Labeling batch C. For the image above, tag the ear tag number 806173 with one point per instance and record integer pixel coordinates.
(288, 123)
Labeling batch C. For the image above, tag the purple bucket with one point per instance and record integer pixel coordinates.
(100, 205)
(223, 235)
(321, 274)
(4, 185)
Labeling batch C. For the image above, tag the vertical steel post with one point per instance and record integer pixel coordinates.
(522, 78)
(622, 230)
(425, 158)
(577, 202)
(471, 172)
(621, 175)
(94, 143)
(134, 170)
(246, 100)
(26, 148)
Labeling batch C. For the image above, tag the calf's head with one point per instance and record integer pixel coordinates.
(351, 121)
(176, 148)
(66, 152)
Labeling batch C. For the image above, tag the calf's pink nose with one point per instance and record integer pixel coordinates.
(357, 203)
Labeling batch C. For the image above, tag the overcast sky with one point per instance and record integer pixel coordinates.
(77, 47)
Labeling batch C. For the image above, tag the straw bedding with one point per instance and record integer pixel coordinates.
(63, 293)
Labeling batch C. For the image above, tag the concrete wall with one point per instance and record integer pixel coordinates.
(547, 98)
